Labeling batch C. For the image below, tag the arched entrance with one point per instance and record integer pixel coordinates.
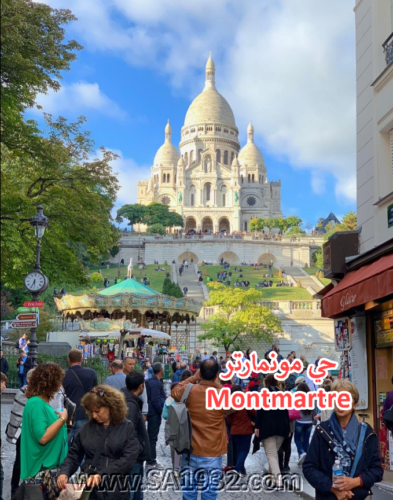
(188, 256)
(229, 257)
(207, 224)
(190, 224)
(267, 258)
(224, 225)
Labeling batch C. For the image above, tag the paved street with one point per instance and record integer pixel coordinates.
(254, 465)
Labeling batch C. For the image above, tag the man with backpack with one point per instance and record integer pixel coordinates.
(208, 436)
(77, 381)
(156, 400)
(135, 385)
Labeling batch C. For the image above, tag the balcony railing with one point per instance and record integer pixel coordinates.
(388, 49)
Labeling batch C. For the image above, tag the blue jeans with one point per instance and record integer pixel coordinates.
(201, 474)
(136, 480)
(302, 437)
(22, 379)
(242, 444)
(76, 425)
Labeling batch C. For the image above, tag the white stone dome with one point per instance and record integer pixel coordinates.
(250, 154)
(210, 105)
(167, 153)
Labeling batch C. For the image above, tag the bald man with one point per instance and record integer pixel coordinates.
(118, 379)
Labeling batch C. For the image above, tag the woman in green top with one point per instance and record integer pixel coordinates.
(44, 431)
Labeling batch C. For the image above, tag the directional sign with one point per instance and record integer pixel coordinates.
(24, 324)
(27, 317)
(37, 303)
(27, 310)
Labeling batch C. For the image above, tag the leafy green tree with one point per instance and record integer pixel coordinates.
(171, 289)
(156, 229)
(114, 250)
(158, 213)
(293, 221)
(295, 231)
(239, 313)
(33, 54)
(77, 193)
(135, 213)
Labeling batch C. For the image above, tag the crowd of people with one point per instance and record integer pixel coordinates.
(67, 422)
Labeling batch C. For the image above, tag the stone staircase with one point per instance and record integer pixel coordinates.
(308, 282)
(189, 279)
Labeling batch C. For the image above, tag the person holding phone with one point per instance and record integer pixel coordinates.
(44, 430)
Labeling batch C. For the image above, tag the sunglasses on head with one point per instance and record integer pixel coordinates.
(99, 392)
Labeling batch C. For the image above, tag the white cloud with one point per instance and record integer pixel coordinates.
(290, 66)
(77, 98)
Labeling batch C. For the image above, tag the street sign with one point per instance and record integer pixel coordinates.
(26, 317)
(24, 324)
(27, 310)
(37, 303)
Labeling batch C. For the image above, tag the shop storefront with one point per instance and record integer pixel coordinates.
(361, 303)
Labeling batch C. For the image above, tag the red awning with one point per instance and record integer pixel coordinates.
(370, 282)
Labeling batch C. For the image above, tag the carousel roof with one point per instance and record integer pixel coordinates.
(128, 295)
(128, 286)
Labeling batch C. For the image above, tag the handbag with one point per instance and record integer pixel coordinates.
(294, 415)
(70, 406)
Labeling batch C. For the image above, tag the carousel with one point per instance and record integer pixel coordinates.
(127, 311)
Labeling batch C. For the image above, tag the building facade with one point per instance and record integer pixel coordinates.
(374, 105)
(361, 263)
(213, 183)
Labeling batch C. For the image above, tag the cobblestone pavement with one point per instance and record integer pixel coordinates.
(254, 465)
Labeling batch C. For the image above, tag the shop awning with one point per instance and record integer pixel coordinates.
(371, 282)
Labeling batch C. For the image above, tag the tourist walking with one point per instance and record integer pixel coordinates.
(118, 378)
(303, 426)
(23, 364)
(156, 398)
(241, 425)
(44, 436)
(128, 367)
(272, 427)
(106, 447)
(22, 342)
(175, 457)
(185, 291)
(77, 381)
(135, 386)
(14, 429)
(3, 386)
(354, 443)
(4, 364)
(209, 437)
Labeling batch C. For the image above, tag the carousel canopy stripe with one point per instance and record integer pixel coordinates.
(128, 286)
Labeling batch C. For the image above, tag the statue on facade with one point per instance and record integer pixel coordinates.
(179, 197)
(236, 196)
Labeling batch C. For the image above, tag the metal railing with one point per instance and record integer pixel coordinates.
(388, 49)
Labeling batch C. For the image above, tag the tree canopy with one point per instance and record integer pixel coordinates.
(259, 224)
(152, 214)
(239, 313)
(57, 167)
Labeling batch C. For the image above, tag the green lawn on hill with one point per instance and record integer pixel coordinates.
(254, 277)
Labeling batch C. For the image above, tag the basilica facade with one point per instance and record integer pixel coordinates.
(213, 183)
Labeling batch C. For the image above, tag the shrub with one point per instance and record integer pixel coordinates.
(156, 229)
(96, 278)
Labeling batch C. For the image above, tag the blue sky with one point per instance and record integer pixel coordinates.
(290, 68)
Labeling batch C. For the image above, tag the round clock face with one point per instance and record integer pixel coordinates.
(35, 281)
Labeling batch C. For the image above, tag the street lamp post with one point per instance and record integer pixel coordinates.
(36, 282)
